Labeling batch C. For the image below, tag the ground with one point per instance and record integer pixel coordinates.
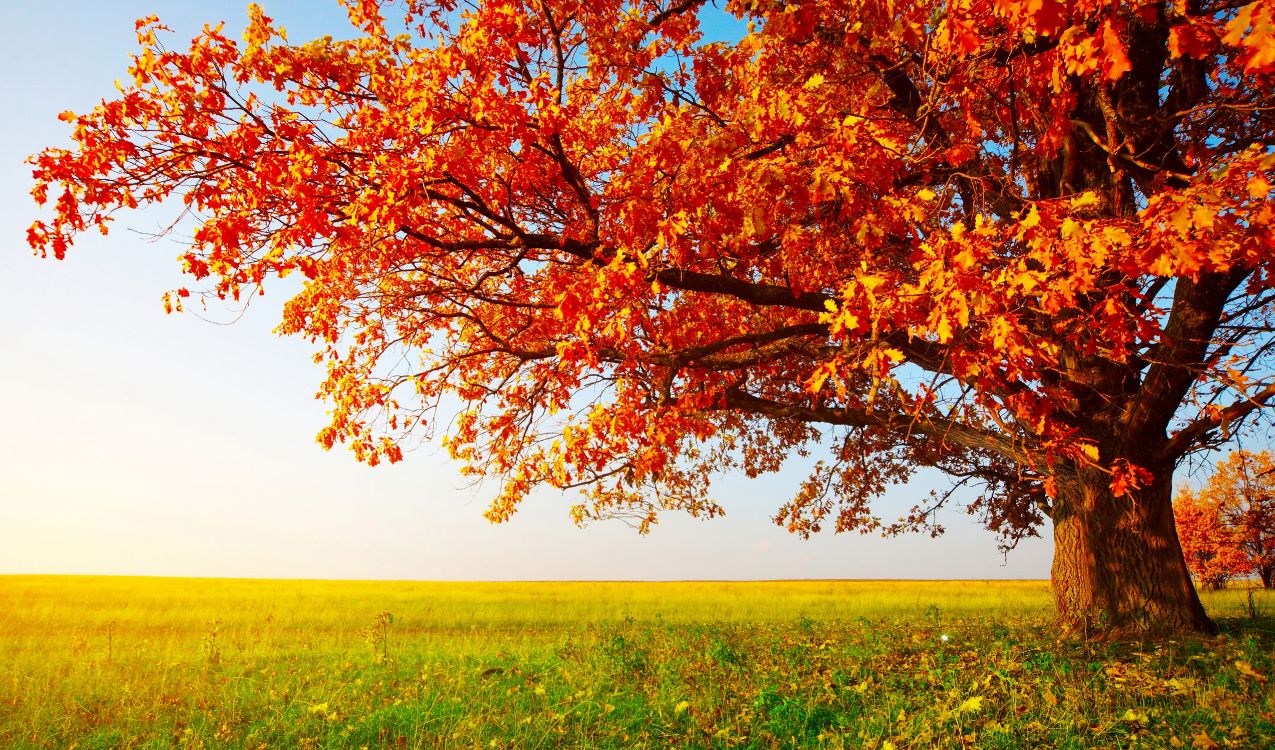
(90, 662)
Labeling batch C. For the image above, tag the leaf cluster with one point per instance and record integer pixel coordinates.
(1007, 240)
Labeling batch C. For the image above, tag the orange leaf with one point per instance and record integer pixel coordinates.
(1115, 60)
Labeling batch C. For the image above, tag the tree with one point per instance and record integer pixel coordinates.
(1026, 243)
(1209, 546)
(1228, 529)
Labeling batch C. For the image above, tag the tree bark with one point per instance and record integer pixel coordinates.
(1118, 568)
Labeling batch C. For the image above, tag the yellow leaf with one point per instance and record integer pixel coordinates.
(1258, 187)
(871, 282)
(814, 82)
(971, 705)
(820, 376)
(1091, 451)
(1028, 280)
(1181, 220)
(1202, 741)
(1247, 669)
(944, 330)
(1238, 27)
(755, 222)
(1085, 199)
(927, 195)
(681, 707)
(1115, 237)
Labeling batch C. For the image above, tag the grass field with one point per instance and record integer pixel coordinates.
(89, 662)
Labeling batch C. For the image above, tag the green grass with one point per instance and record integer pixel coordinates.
(189, 663)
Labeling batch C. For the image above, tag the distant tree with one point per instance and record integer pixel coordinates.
(1208, 545)
(1026, 243)
(1228, 529)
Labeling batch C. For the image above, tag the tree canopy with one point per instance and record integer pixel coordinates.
(1026, 243)
(1210, 547)
(1228, 527)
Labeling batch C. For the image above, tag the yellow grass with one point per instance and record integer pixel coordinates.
(168, 662)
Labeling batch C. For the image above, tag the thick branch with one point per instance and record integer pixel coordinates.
(1197, 310)
(766, 295)
(900, 423)
(1191, 436)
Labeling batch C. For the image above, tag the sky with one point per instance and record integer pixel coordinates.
(138, 443)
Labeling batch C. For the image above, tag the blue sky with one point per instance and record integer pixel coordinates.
(139, 443)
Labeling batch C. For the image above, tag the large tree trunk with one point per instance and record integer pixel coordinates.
(1118, 567)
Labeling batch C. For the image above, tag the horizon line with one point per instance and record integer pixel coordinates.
(518, 580)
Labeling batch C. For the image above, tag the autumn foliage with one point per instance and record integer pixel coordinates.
(1228, 528)
(1210, 547)
(1025, 243)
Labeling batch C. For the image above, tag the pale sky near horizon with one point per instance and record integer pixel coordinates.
(132, 442)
